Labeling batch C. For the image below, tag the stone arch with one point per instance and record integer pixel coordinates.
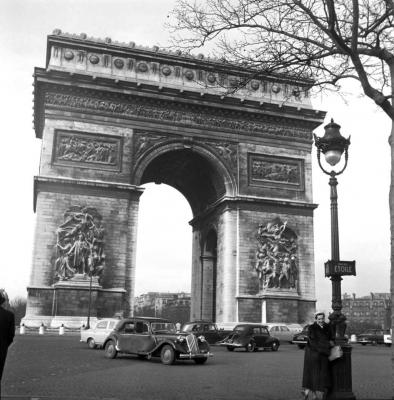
(199, 174)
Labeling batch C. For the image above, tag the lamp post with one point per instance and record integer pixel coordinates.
(333, 145)
(90, 297)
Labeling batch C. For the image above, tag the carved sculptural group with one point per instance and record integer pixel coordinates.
(80, 244)
(276, 256)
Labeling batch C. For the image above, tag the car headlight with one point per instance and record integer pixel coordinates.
(180, 338)
(201, 338)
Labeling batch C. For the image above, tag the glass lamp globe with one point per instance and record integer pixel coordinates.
(333, 156)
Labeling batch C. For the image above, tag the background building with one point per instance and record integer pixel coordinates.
(174, 306)
(374, 309)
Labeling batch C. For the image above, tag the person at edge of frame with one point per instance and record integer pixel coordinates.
(7, 332)
(316, 378)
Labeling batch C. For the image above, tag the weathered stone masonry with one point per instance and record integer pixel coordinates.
(112, 117)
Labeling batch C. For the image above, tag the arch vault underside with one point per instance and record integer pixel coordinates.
(113, 117)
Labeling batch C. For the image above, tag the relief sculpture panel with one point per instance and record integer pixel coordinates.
(276, 256)
(281, 172)
(80, 244)
(95, 151)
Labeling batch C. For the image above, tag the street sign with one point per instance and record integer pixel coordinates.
(332, 267)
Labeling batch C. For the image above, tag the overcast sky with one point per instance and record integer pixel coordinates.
(163, 259)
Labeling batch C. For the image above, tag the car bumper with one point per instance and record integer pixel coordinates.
(190, 356)
(364, 341)
(231, 344)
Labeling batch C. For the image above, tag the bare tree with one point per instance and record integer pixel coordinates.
(18, 307)
(325, 41)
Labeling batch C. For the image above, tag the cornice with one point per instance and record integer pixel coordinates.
(86, 187)
(233, 202)
(83, 42)
(131, 101)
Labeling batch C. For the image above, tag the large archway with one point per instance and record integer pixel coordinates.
(163, 259)
(113, 117)
(203, 181)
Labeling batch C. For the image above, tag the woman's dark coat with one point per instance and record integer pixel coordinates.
(7, 331)
(316, 374)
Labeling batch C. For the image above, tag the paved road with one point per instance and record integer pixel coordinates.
(60, 367)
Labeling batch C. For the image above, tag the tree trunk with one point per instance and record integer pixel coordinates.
(391, 204)
(391, 201)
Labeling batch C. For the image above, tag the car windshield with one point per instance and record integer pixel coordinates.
(163, 327)
(187, 327)
(240, 328)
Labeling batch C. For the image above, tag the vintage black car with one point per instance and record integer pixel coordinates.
(155, 337)
(372, 336)
(250, 337)
(301, 338)
(207, 329)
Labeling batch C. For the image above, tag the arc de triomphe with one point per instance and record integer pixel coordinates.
(114, 116)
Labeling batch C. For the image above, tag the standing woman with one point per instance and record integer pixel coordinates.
(7, 332)
(316, 377)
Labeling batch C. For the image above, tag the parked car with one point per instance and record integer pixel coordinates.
(206, 328)
(387, 338)
(96, 335)
(301, 338)
(281, 331)
(250, 337)
(149, 337)
(372, 336)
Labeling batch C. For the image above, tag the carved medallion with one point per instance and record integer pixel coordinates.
(189, 75)
(94, 59)
(142, 67)
(68, 55)
(80, 244)
(87, 150)
(119, 63)
(276, 256)
(264, 170)
(166, 70)
(211, 78)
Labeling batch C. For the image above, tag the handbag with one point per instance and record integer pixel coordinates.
(335, 352)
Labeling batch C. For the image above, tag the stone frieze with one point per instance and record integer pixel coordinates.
(283, 172)
(95, 150)
(162, 111)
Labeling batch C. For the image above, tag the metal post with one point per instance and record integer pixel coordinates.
(90, 300)
(342, 367)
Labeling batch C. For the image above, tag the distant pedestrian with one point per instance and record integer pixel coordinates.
(316, 377)
(7, 332)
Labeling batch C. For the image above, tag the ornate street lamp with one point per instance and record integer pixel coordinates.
(333, 145)
(90, 297)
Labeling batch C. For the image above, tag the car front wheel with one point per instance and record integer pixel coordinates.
(110, 350)
(229, 348)
(91, 343)
(251, 346)
(274, 346)
(167, 355)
